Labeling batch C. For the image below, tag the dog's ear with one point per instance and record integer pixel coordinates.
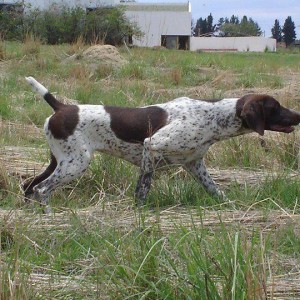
(253, 114)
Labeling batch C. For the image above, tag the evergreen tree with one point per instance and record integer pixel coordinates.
(204, 26)
(228, 27)
(244, 20)
(210, 26)
(277, 31)
(234, 20)
(220, 23)
(247, 27)
(289, 33)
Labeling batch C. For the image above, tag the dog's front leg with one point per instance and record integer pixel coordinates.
(200, 173)
(146, 173)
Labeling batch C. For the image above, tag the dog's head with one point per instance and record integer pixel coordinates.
(263, 112)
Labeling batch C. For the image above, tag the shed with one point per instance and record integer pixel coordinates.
(163, 24)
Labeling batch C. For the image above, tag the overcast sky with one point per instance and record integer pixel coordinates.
(263, 12)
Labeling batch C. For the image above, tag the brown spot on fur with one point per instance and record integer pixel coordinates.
(63, 123)
(133, 125)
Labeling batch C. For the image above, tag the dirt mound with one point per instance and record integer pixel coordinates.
(104, 54)
(98, 58)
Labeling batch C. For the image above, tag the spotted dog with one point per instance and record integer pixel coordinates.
(178, 132)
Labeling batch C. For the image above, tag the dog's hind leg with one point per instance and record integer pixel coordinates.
(67, 169)
(28, 185)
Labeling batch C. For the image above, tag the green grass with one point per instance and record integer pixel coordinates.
(193, 263)
(183, 244)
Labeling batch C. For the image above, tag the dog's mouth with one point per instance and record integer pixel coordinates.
(281, 128)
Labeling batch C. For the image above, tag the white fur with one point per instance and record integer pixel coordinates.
(39, 88)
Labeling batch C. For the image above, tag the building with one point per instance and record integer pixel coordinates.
(163, 24)
(233, 44)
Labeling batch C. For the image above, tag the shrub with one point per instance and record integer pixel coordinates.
(11, 22)
(63, 24)
(109, 25)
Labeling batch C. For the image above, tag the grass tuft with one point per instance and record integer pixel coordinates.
(31, 47)
(3, 54)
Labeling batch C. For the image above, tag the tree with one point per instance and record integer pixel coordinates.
(277, 31)
(247, 27)
(220, 23)
(289, 33)
(204, 26)
(210, 26)
(228, 27)
(234, 20)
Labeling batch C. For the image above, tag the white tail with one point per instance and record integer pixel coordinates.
(50, 99)
(39, 88)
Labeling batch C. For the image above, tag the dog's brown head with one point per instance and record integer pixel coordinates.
(263, 112)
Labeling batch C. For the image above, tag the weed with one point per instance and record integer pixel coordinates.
(31, 47)
(103, 71)
(176, 76)
(77, 47)
(4, 180)
(79, 72)
(2, 50)
(134, 70)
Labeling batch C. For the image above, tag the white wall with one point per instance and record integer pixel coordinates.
(154, 24)
(255, 44)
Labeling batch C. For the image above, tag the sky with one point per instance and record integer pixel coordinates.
(263, 12)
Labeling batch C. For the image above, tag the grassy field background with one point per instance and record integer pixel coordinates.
(184, 244)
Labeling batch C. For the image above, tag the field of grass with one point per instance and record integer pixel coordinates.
(183, 244)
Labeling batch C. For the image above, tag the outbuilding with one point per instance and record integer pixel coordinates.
(163, 24)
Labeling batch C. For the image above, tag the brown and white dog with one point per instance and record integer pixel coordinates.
(177, 132)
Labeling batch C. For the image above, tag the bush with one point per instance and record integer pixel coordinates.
(11, 21)
(109, 25)
(56, 25)
(62, 24)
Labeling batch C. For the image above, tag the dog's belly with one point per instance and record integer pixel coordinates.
(127, 151)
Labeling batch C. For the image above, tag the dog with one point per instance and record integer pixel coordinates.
(178, 132)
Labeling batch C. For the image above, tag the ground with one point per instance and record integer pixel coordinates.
(111, 216)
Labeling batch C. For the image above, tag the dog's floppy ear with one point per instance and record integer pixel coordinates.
(253, 114)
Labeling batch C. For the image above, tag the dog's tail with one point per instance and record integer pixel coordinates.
(40, 89)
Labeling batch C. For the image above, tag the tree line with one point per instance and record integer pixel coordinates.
(234, 27)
